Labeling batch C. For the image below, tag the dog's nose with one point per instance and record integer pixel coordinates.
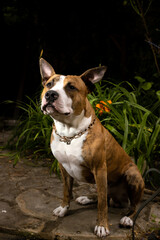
(51, 96)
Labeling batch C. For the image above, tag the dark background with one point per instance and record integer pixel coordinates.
(74, 36)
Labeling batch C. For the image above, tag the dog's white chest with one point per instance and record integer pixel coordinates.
(70, 156)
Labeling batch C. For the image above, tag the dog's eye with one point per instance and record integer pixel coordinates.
(71, 87)
(49, 84)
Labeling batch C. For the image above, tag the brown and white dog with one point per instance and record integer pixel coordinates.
(85, 150)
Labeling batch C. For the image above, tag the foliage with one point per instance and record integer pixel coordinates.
(135, 127)
(32, 134)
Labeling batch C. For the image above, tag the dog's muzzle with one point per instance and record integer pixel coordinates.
(50, 97)
(49, 106)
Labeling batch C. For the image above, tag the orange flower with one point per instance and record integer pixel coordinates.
(102, 107)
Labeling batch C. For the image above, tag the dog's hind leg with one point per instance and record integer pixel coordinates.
(135, 188)
(118, 194)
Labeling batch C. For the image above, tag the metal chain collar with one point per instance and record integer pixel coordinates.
(68, 140)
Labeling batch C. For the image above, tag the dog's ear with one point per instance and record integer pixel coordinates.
(46, 70)
(92, 76)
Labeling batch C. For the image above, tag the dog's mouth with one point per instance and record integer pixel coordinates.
(50, 109)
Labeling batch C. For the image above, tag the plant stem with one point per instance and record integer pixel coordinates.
(148, 35)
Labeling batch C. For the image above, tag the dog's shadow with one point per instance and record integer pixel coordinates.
(78, 208)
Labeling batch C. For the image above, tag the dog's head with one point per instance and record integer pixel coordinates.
(65, 96)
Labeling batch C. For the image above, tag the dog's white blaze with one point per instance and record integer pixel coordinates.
(64, 103)
(60, 83)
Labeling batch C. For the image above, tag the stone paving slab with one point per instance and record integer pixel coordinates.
(36, 203)
(28, 196)
(83, 226)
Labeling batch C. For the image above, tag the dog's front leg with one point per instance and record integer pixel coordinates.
(101, 229)
(67, 193)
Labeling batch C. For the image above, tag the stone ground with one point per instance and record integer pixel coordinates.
(28, 195)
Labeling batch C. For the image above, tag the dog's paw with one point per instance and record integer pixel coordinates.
(101, 231)
(84, 200)
(60, 211)
(126, 222)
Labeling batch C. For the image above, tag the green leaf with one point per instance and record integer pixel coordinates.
(125, 129)
(140, 162)
(140, 79)
(114, 131)
(116, 114)
(146, 86)
(158, 94)
(138, 106)
(153, 138)
(135, 7)
(21, 135)
(16, 159)
(141, 130)
(36, 136)
(126, 93)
